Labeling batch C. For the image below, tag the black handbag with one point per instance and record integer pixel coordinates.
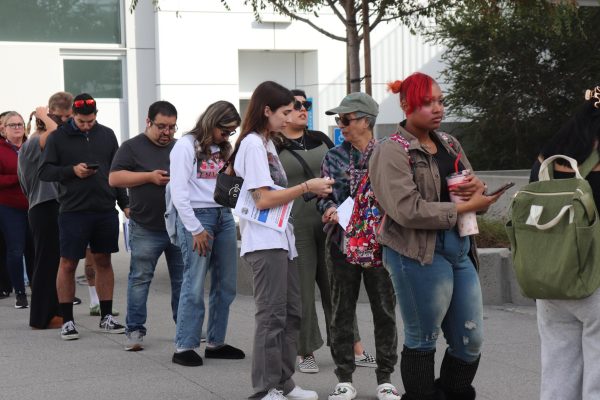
(227, 189)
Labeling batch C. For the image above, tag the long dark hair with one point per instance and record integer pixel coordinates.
(270, 94)
(578, 136)
(221, 114)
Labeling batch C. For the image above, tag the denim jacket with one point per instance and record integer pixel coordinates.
(406, 182)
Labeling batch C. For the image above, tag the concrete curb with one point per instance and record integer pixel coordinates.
(497, 277)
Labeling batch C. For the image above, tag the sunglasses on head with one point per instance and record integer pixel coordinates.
(81, 103)
(345, 121)
(299, 104)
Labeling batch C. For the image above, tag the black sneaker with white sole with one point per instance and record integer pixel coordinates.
(109, 324)
(21, 301)
(68, 331)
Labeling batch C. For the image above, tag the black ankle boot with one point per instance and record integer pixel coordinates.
(456, 377)
(418, 376)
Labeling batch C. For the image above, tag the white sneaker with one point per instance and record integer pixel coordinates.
(300, 394)
(274, 394)
(387, 391)
(343, 391)
(308, 365)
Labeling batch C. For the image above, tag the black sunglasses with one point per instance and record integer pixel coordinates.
(345, 120)
(299, 104)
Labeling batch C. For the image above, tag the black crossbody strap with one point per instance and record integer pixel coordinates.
(307, 171)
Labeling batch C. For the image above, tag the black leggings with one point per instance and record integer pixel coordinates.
(43, 220)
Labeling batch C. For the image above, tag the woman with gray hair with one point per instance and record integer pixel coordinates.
(206, 234)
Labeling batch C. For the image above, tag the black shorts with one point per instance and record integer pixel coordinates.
(79, 228)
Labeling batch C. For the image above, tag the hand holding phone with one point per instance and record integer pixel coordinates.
(92, 165)
(501, 189)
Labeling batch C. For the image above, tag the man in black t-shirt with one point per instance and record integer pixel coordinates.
(142, 165)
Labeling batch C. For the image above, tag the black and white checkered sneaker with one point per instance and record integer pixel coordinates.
(308, 365)
(365, 360)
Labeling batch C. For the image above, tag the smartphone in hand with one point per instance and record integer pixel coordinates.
(501, 189)
(92, 165)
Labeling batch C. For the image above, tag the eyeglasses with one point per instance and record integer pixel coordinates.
(345, 121)
(81, 103)
(227, 131)
(299, 104)
(165, 127)
(16, 126)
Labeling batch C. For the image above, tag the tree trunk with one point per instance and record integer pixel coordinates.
(367, 46)
(353, 47)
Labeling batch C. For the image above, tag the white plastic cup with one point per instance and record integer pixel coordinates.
(467, 222)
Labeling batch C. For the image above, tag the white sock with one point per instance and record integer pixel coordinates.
(94, 300)
(178, 350)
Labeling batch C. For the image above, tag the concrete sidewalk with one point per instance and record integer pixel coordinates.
(38, 365)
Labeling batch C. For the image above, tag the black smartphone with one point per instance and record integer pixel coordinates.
(92, 165)
(502, 188)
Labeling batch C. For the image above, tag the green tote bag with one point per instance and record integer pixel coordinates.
(555, 234)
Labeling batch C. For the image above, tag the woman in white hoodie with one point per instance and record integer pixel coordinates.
(206, 234)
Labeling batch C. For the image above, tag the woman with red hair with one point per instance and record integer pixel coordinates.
(433, 268)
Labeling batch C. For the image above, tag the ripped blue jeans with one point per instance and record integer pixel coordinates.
(444, 296)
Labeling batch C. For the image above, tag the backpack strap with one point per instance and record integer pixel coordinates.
(588, 165)
(398, 138)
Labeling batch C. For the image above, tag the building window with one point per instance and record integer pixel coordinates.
(63, 21)
(100, 78)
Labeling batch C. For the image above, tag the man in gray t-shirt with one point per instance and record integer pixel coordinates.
(142, 165)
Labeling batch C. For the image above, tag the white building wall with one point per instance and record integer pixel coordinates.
(206, 53)
(193, 53)
(31, 72)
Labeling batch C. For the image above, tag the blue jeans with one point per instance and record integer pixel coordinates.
(146, 247)
(221, 261)
(444, 295)
(14, 227)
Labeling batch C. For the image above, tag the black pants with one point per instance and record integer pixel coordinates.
(344, 280)
(43, 220)
(5, 284)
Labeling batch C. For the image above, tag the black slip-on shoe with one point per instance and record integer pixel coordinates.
(188, 358)
(225, 352)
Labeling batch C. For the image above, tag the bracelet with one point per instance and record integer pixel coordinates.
(305, 184)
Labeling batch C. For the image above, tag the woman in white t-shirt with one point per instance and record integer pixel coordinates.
(268, 252)
(206, 235)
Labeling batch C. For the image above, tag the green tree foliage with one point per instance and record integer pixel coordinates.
(517, 70)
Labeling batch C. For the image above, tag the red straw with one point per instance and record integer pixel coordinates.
(456, 163)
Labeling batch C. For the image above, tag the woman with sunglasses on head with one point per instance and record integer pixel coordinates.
(13, 206)
(311, 146)
(432, 267)
(301, 152)
(270, 253)
(206, 234)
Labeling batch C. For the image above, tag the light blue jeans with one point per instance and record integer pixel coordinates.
(221, 261)
(442, 296)
(146, 247)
